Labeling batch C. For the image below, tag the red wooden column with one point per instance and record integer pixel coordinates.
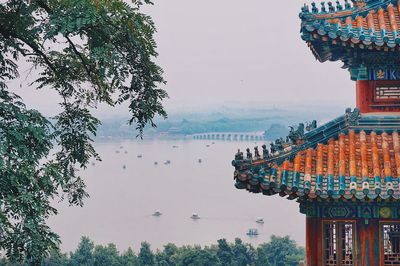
(368, 242)
(314, 250)
(363, 95)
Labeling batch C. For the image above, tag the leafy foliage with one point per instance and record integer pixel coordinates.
(281, 251)
(84, 253)
(90, 52)
(224, 253)
(146, 256)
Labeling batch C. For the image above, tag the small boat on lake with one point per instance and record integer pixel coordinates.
(175, 146)
(195, 216)
(124, 167)
(252, 232)
(157, 213)
(155, 163)
(200, 160)
(207, 145)
(167, 162)
(140, 156)
(260, 220)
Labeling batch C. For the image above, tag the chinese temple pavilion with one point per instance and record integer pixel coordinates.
(345, 173)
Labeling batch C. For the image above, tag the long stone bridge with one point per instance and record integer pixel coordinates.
(251, 136)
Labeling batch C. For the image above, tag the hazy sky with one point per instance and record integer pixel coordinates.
(216, 51)
(225, 52)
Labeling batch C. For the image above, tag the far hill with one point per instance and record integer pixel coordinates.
(273, 122)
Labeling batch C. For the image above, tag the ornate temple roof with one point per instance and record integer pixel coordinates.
(352, 157)
(364, 24)
(355, 156)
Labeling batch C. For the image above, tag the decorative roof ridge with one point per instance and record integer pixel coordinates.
(359, 8)
(358, 166)
(298, 140)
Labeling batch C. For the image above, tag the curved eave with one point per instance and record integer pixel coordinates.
(300, 193)
(277, 174)
(330, 47)
(350, 11)
(375, 26)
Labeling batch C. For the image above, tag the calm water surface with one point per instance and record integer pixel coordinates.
(122, 201)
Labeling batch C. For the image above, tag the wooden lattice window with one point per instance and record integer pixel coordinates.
(338, 243)
(391, 243)
(330, 248)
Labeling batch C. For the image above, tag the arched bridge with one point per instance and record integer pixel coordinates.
(251, 136)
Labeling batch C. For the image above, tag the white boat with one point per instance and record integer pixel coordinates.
(167, 162)
(260, 220)
(252, 232)
(157, 213)
(195, 216)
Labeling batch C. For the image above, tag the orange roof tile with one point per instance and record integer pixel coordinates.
(360, 165)
(374, 24)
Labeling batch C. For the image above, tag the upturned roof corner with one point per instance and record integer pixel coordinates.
(333, 29)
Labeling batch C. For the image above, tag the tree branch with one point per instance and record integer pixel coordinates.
(79, 55)
(43, 5)
(33, 46)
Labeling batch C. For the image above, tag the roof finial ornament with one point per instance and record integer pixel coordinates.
(311, 126)
(305, 9)
(239, 155)
(323, 9)
(265, 151)
(339, 6)
(331, 7)
(296, 136)
(256, 152)
(278, 146)
(347, 5)
(359, 3)
(273, 149)
(352, 117)
(314, 8)
(248, 154)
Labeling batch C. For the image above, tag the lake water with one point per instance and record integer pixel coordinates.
(122, 201)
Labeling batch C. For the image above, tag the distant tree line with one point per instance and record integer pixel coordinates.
(280, 251)
(118, 127)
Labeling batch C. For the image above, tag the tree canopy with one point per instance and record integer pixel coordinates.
(89, 52)
(279, 251)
